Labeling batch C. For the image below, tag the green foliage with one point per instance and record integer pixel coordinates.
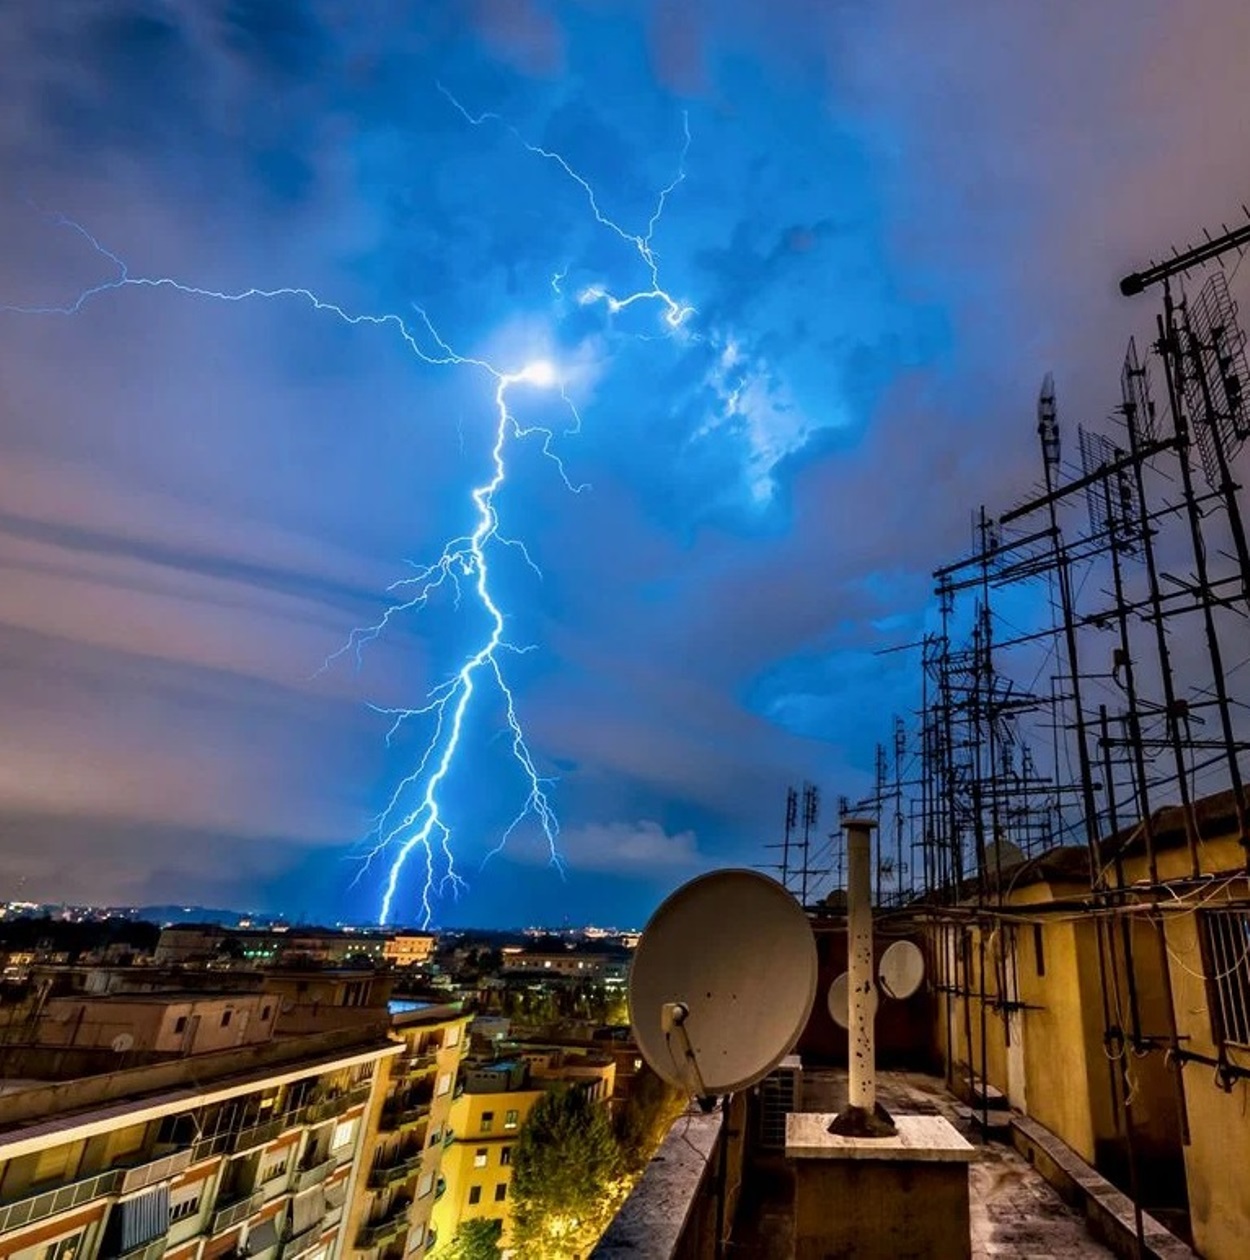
(646, 1117)
(476, 1240)
(565, 1180)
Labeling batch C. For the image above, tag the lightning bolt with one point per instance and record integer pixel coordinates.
(403, 827)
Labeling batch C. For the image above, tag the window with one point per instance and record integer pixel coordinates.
(265, 1012)
(274, 1170)
(1226, 960)
(435, 1138)
(479, 1157)
(184, 1203)
(444, 1084)
(452, 1038)
(225, 1019)
(180, 1023)
(488, 1121)
(475, 1194)
(505, 1156)
(425, 1185)
(510, 1119)
(1038, 956)
(63, 1248)
(344, 1135)
(501, 1192)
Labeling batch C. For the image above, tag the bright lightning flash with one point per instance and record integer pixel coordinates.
(402, 827)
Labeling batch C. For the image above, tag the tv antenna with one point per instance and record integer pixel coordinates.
(723, 982)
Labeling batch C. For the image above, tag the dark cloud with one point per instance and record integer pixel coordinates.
(895, 217)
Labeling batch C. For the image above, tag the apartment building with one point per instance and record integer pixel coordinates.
(409, 949)
(255, 1150)
(486, 1120)
(391, 1213)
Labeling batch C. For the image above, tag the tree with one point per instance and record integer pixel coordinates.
(646, 1117)
(476, 1240)
(566, 1183)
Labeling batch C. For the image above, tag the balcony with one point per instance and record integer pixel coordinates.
(36, 1207)
(389, 1226)
(143, 1175)
(208, 1147)
(397, 1116)
(400, 1170)
(234, 1213)
(259, 1134)
(324, 1109)
(306, 1178)
(413, 1063)
(152, 1250)
(304, 1241)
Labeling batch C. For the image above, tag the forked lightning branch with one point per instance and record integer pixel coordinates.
(416, 821)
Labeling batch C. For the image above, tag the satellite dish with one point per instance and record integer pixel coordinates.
(901, 970)
(840, 1002)
(123, 1042)
(723, 982)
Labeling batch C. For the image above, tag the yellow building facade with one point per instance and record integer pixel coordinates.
(1027, 992)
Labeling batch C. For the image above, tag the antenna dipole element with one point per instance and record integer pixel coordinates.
(1230, 239)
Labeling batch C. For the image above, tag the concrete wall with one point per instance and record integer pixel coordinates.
(1063, 1076)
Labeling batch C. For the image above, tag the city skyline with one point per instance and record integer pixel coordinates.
(202, 499)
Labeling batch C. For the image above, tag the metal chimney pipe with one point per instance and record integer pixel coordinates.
(862, 1118)
(859, 977)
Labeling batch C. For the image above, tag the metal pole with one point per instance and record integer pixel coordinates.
(862, 1117)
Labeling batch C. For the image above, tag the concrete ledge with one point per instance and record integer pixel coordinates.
(653, 1220)
(920, 1139)
(1108, 1213)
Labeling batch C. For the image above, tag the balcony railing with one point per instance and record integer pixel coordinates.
(299, 1243)
(143, 1175)
(413, 1062)
(404, 1115)
(207, 1147)
(323, 1109)
(36, 1207)
(259, 1134)
(389, 1226)
(233, 1213)
(152, 1250)
(306, 1178)
(400, 1170)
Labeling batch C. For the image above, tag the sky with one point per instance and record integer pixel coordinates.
(888, 221)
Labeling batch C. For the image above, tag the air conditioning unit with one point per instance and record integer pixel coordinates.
(781, 1092)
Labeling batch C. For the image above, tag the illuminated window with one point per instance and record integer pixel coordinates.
(479, 1157)
(510, 1119)
(453, 1036)
(425, 1185)
(475, 1194)
(344, 1135)
(444, 1084)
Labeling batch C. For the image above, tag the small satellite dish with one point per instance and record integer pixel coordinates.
(900, 972)
(723, 982)
(840, 1002)
(123, 1042)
